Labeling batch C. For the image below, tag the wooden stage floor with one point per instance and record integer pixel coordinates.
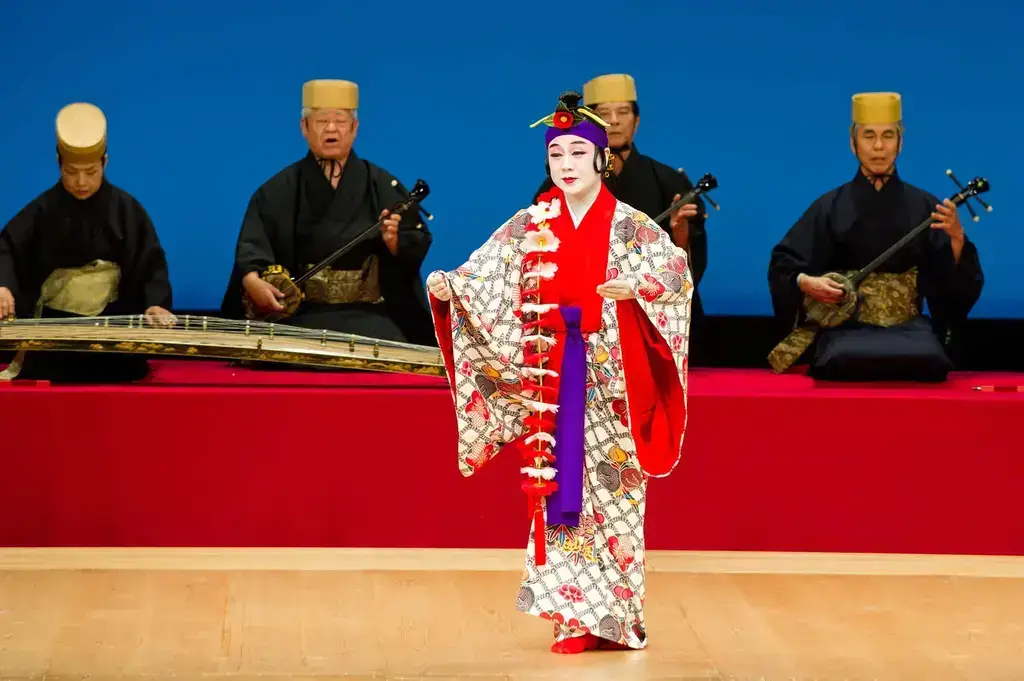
(155, 621)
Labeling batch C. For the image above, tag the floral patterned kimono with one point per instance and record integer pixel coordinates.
(520, 307)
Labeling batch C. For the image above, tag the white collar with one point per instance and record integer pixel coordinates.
(577, 219)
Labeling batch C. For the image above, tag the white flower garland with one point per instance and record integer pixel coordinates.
(528, 308)
(542, 240)
(543, 270)
(544, 211)
(547, 473)
(535, 338)
(542, 437)
(537, 406)
(533, 372)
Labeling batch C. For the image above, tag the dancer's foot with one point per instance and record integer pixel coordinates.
(576, 644)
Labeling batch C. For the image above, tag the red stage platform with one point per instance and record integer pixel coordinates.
(206, 454)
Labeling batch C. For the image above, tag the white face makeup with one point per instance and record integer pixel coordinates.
(571, 160)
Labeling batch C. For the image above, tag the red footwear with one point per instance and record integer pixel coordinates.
(576, 644)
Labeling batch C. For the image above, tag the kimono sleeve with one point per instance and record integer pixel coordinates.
(414, 236)
(806, 248)
(951, 286)
(16, 240)
(254, 250)
(149, 261)
(654, 337)
(478, 332)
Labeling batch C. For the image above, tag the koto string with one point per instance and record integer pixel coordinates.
(204, 325)
(213, 337)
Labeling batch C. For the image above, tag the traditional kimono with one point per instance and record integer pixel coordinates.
(843, 231)
(297, 218)
(604, 413)
(649, 186)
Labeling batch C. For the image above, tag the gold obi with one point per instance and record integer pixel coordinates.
(883, 299)
(334, 287)
(85, 291)
(888, 299)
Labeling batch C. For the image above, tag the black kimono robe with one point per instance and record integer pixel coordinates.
(57, 230)
(847, 228)
(649, 186)
(297, 219)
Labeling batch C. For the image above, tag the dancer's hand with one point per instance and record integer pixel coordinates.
(438, 286)
(616, 289)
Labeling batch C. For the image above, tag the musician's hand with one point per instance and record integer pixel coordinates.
(822, 289)
(389, 230)
(438, 286)
(616, 289)
(158, 316)
(680, 222)
(947, 219)
(6, 303)
(263, 294)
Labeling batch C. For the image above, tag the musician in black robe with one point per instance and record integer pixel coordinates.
(846, 229)
(649, 186)
(315, 206)
(84, 247)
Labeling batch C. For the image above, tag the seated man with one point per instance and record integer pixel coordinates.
(82, 248)
(315, 206)
(887, 338)
(649, 186)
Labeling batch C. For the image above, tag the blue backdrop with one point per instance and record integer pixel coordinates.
(203, 101)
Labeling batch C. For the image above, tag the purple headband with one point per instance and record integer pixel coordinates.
(586, 129)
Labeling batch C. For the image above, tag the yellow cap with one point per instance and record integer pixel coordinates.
(81, 133)
(612, 87)
(330, 94)
(878, 108)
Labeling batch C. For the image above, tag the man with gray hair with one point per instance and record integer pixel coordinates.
(319, 204)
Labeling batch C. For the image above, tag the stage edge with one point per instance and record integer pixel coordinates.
(348, 559)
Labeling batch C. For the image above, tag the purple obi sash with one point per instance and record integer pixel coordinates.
(566, 503)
